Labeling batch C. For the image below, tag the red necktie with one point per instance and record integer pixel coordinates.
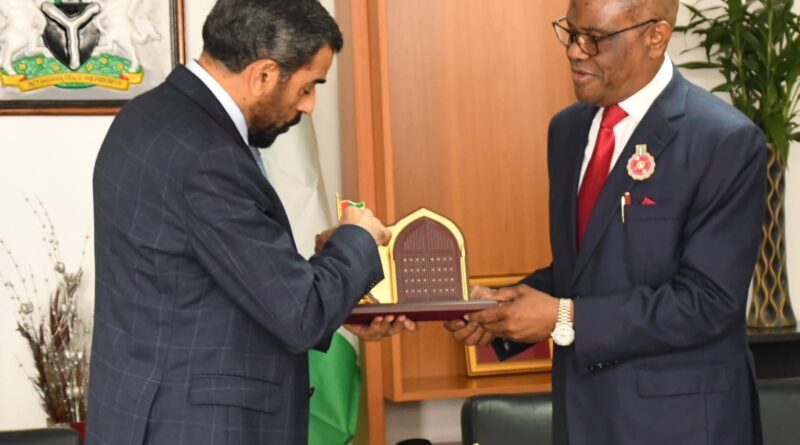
(599, 165)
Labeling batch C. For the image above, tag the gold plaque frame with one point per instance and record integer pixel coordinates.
(386, 291)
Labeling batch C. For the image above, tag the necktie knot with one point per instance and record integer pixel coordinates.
(612, 115)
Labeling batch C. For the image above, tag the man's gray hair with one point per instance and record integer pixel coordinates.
(290, 32)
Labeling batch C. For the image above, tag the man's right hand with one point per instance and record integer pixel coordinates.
(366, 220)
(469, 332)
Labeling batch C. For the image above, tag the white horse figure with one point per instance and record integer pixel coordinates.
(125, 23)
(21, 28)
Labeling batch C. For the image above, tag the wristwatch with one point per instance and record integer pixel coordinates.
(563, 334)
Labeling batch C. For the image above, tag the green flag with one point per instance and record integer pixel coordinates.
(336, 377)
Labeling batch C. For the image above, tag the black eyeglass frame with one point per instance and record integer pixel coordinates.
(574, 35)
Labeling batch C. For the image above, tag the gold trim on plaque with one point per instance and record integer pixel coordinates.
(496, 281)
(386, 290)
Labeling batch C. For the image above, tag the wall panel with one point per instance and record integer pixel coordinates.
(472, 86)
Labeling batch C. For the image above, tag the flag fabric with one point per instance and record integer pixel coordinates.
(293, 168)
(337, 381)
(342, 205)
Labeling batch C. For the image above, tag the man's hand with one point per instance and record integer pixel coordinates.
(469, 332)
(529, 316)
(322, 238)
(365, 219)
(381, 327)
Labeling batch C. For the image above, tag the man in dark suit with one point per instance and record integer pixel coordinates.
(656, 204)
(205, 310)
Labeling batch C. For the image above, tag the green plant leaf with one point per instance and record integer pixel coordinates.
(715, 36)
(777, 132)
(735, 9)
(793, 72)
(723, 88)
(755, 45)
(699, 65)
(752, 40)
(695, 11)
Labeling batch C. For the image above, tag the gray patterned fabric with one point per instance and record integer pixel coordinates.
(204, 308)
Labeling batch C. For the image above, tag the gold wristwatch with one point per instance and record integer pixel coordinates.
(563, 334)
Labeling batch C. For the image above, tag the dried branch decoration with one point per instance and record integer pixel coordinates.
(57, 336)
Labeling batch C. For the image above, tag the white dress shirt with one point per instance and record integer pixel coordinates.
(229, 105)
(636, 106)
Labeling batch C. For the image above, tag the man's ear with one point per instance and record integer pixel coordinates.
(659, 37)
(262, 76)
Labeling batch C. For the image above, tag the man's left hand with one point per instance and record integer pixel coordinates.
(322, 238)
(381, 327)
(529, 317)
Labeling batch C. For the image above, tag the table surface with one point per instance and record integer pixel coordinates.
(773, 335)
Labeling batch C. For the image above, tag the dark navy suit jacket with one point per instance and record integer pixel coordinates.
(660, 354)
(204, 308)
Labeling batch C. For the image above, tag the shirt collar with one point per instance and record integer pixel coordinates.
(637, 105)
(222, 96)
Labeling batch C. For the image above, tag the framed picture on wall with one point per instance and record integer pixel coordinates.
(85, 56)
(482, 360)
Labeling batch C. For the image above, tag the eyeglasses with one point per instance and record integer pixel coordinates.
(586, 42)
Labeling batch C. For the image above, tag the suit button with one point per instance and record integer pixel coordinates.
(310, 392)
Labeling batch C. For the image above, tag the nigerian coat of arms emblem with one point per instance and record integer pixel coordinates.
(73, 44)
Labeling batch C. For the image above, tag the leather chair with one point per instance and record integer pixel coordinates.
(519, 419)
(780, 411)
(44, 436)
(525, 419)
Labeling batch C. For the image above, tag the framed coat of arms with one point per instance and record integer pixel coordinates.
(85, 56)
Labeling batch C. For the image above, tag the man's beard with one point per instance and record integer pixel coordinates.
(264, 135)
(265, 129)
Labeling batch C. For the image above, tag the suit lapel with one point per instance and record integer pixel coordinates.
(576, 143)
(186, 82)
(655, 130)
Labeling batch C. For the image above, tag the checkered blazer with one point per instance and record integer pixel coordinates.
(204, 309)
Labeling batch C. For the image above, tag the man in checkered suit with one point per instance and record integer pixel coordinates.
(204, 309)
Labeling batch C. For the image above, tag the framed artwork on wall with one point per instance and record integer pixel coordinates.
(482, 360)
(85, 56)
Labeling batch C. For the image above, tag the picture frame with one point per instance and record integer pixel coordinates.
(85, 57)
(482, 360)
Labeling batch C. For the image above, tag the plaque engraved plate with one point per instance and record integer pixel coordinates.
(428, 263)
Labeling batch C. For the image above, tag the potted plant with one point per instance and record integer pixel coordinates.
(755, 45)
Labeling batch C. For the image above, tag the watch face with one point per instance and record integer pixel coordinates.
(563, 335)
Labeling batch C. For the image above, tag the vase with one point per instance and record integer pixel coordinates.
(770, 306)
(80, 427)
